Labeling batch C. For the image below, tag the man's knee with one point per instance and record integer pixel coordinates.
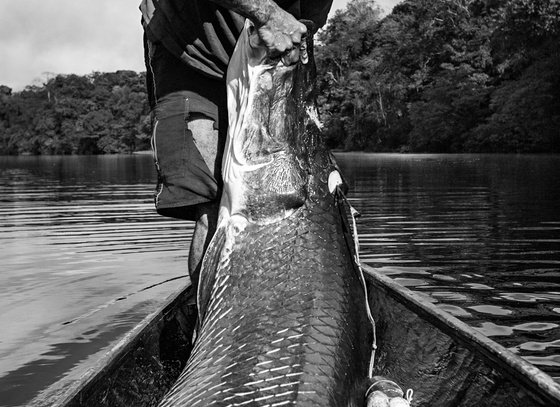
(206, 139)
(185, 147)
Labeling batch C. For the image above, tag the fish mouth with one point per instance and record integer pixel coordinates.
(271, 109)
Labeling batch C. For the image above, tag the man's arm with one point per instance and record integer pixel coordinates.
(277, 29)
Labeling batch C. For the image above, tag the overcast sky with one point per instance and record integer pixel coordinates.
(75, 36)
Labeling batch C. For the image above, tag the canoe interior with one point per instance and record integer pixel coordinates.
(421, 347)
(444, 361)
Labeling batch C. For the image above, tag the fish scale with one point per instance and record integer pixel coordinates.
(282, 340)
(281, 304)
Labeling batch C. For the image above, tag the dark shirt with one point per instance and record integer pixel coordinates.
(203, 34)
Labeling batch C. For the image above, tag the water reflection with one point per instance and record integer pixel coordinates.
(80, 242)
(85, 258)
(478, 234)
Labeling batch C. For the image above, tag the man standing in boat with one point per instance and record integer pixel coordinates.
(187, 46)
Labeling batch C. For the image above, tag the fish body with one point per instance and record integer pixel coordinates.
(281, 305)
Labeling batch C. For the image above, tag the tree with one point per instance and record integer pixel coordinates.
(71, 114)
(525, 113)
(345, 92)
(449, 109)
(443, 76)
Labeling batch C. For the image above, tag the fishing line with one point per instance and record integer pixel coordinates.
(121, 298)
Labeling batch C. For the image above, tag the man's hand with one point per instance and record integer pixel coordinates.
(281, 33)
(277, 29)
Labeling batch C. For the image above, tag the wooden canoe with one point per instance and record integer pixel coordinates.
(421, 347)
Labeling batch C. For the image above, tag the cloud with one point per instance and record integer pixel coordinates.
(68, 36)
(75, 36)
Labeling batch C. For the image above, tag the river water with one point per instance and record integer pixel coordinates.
(85, 257)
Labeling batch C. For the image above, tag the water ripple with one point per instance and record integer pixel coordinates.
(478, 235)
(84, 259)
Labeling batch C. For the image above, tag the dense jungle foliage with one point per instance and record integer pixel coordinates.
(70, 114)
(443, 76)
(432, 76)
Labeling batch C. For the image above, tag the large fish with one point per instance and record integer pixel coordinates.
(282, 309)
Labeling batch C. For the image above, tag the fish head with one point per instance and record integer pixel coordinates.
(273, 131)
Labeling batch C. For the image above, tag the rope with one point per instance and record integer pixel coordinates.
(409, 394)
(353, 214)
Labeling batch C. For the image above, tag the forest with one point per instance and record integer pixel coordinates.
(100, 113)
(439, 76)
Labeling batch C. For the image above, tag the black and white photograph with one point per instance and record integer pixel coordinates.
(267, 203)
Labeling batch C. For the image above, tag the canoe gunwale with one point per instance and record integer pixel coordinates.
(77, 391)
(517, 369)
(80, 389)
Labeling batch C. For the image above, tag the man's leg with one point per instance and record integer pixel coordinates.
(204, 229)
(206, 139)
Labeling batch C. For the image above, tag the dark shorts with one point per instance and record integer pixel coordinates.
(189, 134)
